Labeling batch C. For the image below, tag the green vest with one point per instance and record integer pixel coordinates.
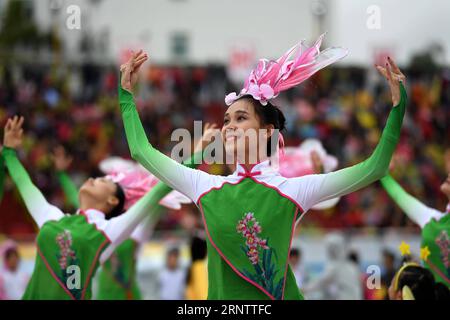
(249, 241)
(117, 276)
(436, 236)
(68, 252)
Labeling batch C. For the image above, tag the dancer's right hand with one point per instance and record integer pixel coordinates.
(13, 132)
(61, 159)
(129, 70)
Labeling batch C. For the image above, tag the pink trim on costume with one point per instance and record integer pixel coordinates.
(92, 268)
(53, 273)
(279, 192)
(289, 251)
(82, 213)
(439, 272)
(228, 262)
(218, 188)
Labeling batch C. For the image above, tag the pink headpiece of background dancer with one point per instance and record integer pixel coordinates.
(270, 77)
(136, 182)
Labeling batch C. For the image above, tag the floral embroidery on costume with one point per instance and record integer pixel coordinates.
(66, 258)
(265, 272)
(443, 242)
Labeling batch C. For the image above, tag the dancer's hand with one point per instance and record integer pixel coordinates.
(130, 70)
(13, 132)
(61, 159)
(209, 131)
(394, 76)
(317, 163)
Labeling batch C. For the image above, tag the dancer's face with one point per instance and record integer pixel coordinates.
(242, 131)
(101, 191)
(445, 187)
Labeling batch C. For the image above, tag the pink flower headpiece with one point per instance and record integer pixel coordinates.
(297, 162)
(136, 182)
(270, 77)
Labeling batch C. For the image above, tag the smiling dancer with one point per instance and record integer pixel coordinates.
(250, 216)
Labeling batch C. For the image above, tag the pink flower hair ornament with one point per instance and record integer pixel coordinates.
(269, 78)
(136, 182)
(296, 162)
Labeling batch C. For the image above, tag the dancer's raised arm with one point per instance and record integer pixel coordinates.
(174, 174)
(316, 188)
(37, 205)
(416, 210)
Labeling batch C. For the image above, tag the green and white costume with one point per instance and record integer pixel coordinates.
(435, 227)
(117, 276)
(71, 247)
(250, 216)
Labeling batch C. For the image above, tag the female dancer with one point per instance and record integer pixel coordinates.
(71, 247)
(435, 227)
(117, 276)
(250, 216)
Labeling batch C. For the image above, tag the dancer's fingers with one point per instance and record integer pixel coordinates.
(20, 123)
(382, 71)
(139, 63)
(394, 66)
(8, 125)
(389, 73)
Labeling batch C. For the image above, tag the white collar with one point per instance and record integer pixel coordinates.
(93, 214)
(261, 168)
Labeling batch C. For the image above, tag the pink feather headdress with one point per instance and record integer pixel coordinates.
(297, 162)
(136, 182)
(270, 77)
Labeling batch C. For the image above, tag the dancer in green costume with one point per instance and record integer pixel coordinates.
(71, 247)
(250, 216)
(435, 225)
(117, 276)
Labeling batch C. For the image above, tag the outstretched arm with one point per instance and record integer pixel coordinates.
(175, 175)
(317, 188)
(37, 205)
(416, 210)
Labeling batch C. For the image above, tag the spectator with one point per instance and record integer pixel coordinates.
(172, 278)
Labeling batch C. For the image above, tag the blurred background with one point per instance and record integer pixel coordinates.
(59, 64)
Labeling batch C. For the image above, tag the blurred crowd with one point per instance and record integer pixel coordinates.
(345, 108)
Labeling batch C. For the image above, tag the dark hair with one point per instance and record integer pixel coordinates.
(173, 251)
(294, 252)
(422, 284)
(354, 257)
(118, 209)
(268, 114)
(11, 252)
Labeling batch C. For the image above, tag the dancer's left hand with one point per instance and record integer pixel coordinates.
(394, 76)
(129, 70)
(13, 132)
